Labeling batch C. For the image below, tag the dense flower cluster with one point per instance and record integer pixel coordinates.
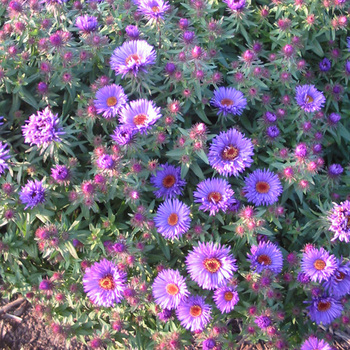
(169, 167)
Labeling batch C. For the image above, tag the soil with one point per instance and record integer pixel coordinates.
(23, 329)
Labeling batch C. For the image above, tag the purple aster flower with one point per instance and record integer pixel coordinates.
(266, 256)
(105, 161)
(226, 298)
(154, 10)
(188, 37)
(334, 118)
(270, 117)
(193, 313)
(348, 43)
(309, 98)
(340, 221)
(165, 315)
(272, 132)
(263, 321)
(132, 32)
(235, 5)
(168, 182)
(4, 156)
(1, 120)
(301, 151)
(324, 310)
(104, 283)
(211, 266)
(140, 115)
(32, 194)
(335, 170)
(325, 65)
(208, 344)
(172, 219)
(109, 100)
(228, 101)
(338, 284)
(230, 153)
(318, 264)
(86, 23)
(303, 278)
(313, 343)
(60, 173)
(43, 128)
(132, 57)
(347, 67)
(123, 135)
(214, 195)
(169, 289)
(262, 187)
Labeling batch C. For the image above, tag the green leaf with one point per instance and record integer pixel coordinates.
(71, 250)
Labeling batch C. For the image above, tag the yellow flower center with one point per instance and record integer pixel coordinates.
(107, 282)
(133, 57)
(323, 306)
(262, 187)
(226, 102)
(212, 264)
(195, 310)
(169, 181)
(264, 259)
(214, 197)
(172, 289)
(111, 101)
(319, 264)
(228, 296)
(173, 219)
(230, 153)
(140, 119)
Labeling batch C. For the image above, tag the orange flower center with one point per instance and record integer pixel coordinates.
(262, 187)
(172, 289)
(195, 310)
(169, 181)
(111, 101)
(319, 264)
(228, 296)
(107, 282)
(140, 119)
(323, 306)
(155, 9)
(214, 197)
(230, 153)
(173, 219)
(309, 99)
(339, 276)
(226, 102)
(133, 57)
(264, 259)
(212, 264)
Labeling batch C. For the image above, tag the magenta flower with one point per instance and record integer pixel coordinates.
(104, 283)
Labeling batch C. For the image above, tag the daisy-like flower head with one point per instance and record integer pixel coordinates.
(193, 313)
(60, 173)
(262, 187)
(263, 321)
(169, 289)
(87, 24)
(42, 128)
(123, 135)
(266, 256)
(214, 195)
(140, 115)
(230, 153)
(211, 266)
(104, 283)
(4, 156)
(226, 298)
(168, 182)
(340, 221)
(309, 98)
(318, 264)
(32, 194)
(105, 161)
(235, 5)
(228, 101)
(172, 219)
(109, 100)
(338, 284)
(325, 310)
(154, 10)
(313, 343)
(132, 57)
